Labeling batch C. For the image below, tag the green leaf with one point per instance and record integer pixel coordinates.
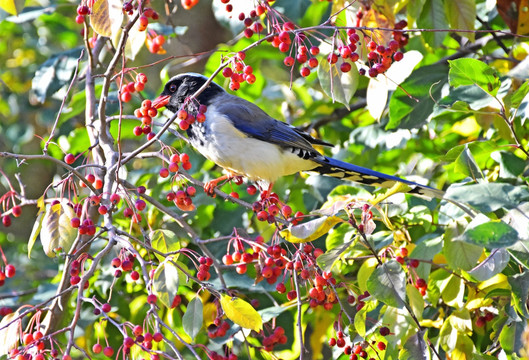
(360, 321)
(416, 301)
(471, 95)
(433, 17)
(37, 225)
(492, 265)
(336, 84)
(415, 347)
(520, 292)
(327, 260)
(489, 234)
(461, 14)
(473, 72)
(426, 250)
(388, 284)
(510, 337)
(458, 253)
(165, 241)
(453, 291)
(488, 197)
(13, 7)
(515, 99)
(518, 219)
(411, 104)
(57, 233)
(193, 317)
(54, 73)
(511, 166)
(166, 281)
(465, 164)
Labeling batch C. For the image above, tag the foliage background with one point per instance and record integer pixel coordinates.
(453, 135)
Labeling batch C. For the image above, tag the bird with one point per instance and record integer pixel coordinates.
(244, 140)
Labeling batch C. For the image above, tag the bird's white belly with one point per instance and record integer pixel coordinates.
(253, 158)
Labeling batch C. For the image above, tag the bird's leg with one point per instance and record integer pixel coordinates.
(209, 187)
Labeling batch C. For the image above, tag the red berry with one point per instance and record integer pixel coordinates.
(481, 321)
(16, 211)
(281, 288)
(152, 299)
(288, 61)
(10, 271)
(314, 50)
(384, 331)
(164, 172)
(345, 67)
(414, 263)
(69, 159)
(398, 56)
(97, 348)
(108, 351)
(305, 71)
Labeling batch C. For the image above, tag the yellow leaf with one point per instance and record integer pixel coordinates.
(310, 230)
(13, 7)
(57, 232)
(9, 334)
(241, 313)
(106, 17)
(523, 18)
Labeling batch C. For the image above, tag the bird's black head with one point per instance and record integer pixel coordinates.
(182, 86)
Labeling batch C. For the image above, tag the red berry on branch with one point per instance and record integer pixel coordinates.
(69, 159)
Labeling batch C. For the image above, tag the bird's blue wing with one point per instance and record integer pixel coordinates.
(254, 122)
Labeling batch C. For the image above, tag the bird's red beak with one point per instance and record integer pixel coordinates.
(161, 101)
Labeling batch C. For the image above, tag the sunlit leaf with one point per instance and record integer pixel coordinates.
(492, 265)
(57, 233)
(310, 230)
(388, 284)
(415, 347)
(338, 85)
(37, 225)
(166, 280)
(54, 73)
(520, 292)
(193, 317)
(9, 335)
(241, 313)
(411, 104)
(13, 7)
(461, 14)
(469, 71)
(106, 17)
(165, 241)
(489, 234)
(433, 17)
(487, 197)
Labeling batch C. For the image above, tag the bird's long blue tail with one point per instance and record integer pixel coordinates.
(342, 170)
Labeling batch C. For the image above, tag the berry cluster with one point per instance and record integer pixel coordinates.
(128, 89)
(125, 263)
(276, 337)
(252, 23)
(75, 269)
(143, 21)
(154, 43)
(188, 115)
(92, 179)
(8, 272)
(362, 349)
(238, 72)
(419, 283)
(242, 257)
(82, 11)
(218, 329)
(145, 113)
(483, 318)
(269, 206)
(203, 273)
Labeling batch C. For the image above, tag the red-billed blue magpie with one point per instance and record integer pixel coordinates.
(243, 139)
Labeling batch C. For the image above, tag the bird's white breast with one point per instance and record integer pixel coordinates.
(243, 155)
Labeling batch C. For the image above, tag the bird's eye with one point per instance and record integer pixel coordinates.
(172, 88)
